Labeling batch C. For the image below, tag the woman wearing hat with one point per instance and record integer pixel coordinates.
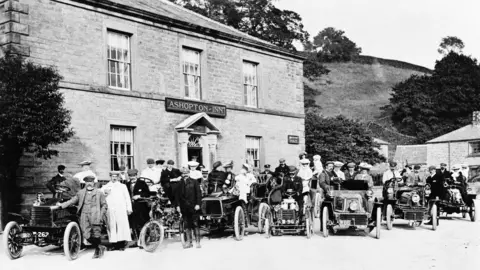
(350, 173)
(317, 165)
(216, 178)
(365, 174)
(337, 165)
(243, 181)
(86, 171)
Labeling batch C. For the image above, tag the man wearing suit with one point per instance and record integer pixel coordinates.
(415, 177)
(57, 179)
(92, 208)
(140, 210)
(326, 177)
(170, 180)
(282, 168)
(443, 172)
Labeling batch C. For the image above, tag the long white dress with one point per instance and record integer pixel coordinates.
(118, 202)
(243, 183)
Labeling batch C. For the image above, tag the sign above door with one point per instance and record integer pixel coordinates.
(189, 106)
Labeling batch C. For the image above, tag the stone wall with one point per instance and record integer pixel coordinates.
(14, 27)
(458, 154)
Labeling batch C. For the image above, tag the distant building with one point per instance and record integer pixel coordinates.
(457, 147)
(411, 155)
(383, 150)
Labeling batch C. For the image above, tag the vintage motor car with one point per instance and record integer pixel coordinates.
(410, 203)
(285, 217)
(257, 208)
(451, 201)
(59, 227)
(347, 207)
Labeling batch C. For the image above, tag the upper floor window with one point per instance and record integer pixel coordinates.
(119, 60)
(474, 148)
(253, 151)
(191, 73)
(121, 148)
(250, 84)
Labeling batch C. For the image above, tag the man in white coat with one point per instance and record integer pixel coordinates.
(119, 207)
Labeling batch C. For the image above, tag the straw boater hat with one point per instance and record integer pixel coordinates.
(305, 161)
(337, 164)
(114, 173)
(86, 162)
(456, 167)
(365, 166)
(192, 164)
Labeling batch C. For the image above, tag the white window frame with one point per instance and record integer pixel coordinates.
(122, 136)
(192, 73)
(122, 65)
(250, 84)
(252, 147)
(471, 148)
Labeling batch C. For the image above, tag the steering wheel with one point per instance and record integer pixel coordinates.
(62, 188)
(290, 192)
(147, 180)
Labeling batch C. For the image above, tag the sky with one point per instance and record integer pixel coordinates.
(405, 30)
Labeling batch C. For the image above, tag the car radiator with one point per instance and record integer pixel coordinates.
(41, 216)
(212, 208)
(417, 215)
(286, 214)
(357, 219)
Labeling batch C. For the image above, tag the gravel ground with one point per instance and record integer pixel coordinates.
(455, 245)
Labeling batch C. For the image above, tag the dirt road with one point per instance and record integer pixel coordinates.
(455, 245)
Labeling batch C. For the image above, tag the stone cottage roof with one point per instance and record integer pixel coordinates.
(413, 154)
(178, 16)
(466, 133)
(381, 142)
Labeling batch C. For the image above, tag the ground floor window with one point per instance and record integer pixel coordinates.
(121, 147)
(253, 151)
(474, 148)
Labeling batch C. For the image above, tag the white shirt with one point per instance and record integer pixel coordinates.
(195, 174)
(152, 173)
(340, 174)
(84, 174)
(387, 175)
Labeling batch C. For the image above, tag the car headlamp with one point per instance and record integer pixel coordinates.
(369, 193)
(390, 190)
(415, 198)
(353, 206)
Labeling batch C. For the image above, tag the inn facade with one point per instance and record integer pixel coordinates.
(149, 79)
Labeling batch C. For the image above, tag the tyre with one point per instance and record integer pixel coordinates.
(325, 221)
(72, 241)
(151, 235)
(316, 206)
(433, 213)
(262, 209)
(388, 216)
(12, 249)
(378, 222)
(473, 216)
(239, 223)
(308, 226)
(266, 227)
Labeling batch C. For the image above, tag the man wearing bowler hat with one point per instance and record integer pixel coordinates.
(170, 180)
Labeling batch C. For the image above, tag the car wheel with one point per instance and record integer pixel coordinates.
(433, 213)
(151, 235)
(317, 204)
(378, 222)
(262, 209)
(266, 226)
(388, 216)
(239, 223)
(72, 241)
(325, 221)
(12, 249)
(473, 216)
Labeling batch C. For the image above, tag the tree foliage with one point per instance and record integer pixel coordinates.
(339, 138)
(450, 44)
(258, 18)
(32, 116)
(332, 45)
(430, 106)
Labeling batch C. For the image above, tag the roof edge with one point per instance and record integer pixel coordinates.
(154, 17)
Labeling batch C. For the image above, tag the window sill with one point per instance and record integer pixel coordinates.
(118, 88)
(474, 155)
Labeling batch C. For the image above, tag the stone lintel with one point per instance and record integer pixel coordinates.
(16, 49)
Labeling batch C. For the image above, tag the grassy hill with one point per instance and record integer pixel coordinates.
(358, 90)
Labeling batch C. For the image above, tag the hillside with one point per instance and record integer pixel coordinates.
(360, 88)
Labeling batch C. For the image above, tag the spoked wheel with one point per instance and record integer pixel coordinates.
(433, 213)
(378, 222)
(72, 241)
(239, 223)
(473, 216)
(262, 209)
(12, 249)
(267, 226)
(388, 216)
(308, 225)
(151, 235)
(325, 222)
(317, 204)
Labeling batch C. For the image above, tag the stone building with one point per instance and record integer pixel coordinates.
(149, 79)
(383, 149)
(461, 146)
(411, 155)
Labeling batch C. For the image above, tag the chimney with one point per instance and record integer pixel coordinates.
(476, 118)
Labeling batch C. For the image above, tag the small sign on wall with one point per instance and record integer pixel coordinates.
(293, 139)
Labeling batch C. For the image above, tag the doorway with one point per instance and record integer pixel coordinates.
(195, 154)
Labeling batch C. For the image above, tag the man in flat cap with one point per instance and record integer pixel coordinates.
(189, 199)
(392, 172)
(216, 178)
(140, 210)
(416, 177)
(170, 180)
(350, 173)
(86, 171)
(267, 169)
(119, 208)
(326, 177)
(282, 168)
(443, 172)
(151, 172)
(92, 208)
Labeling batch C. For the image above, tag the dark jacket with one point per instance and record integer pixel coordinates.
(349, 176)
(167, 175)
(283, 169)
(97, 213)
(325, 180)
(446, 174)
(189, 195)
(436, 183)
(139, 188)
(215, 180)
(57, 179)
(294, 183)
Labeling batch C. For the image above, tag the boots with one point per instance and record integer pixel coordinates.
(99, 249)
(197, 237)
(188, 238)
